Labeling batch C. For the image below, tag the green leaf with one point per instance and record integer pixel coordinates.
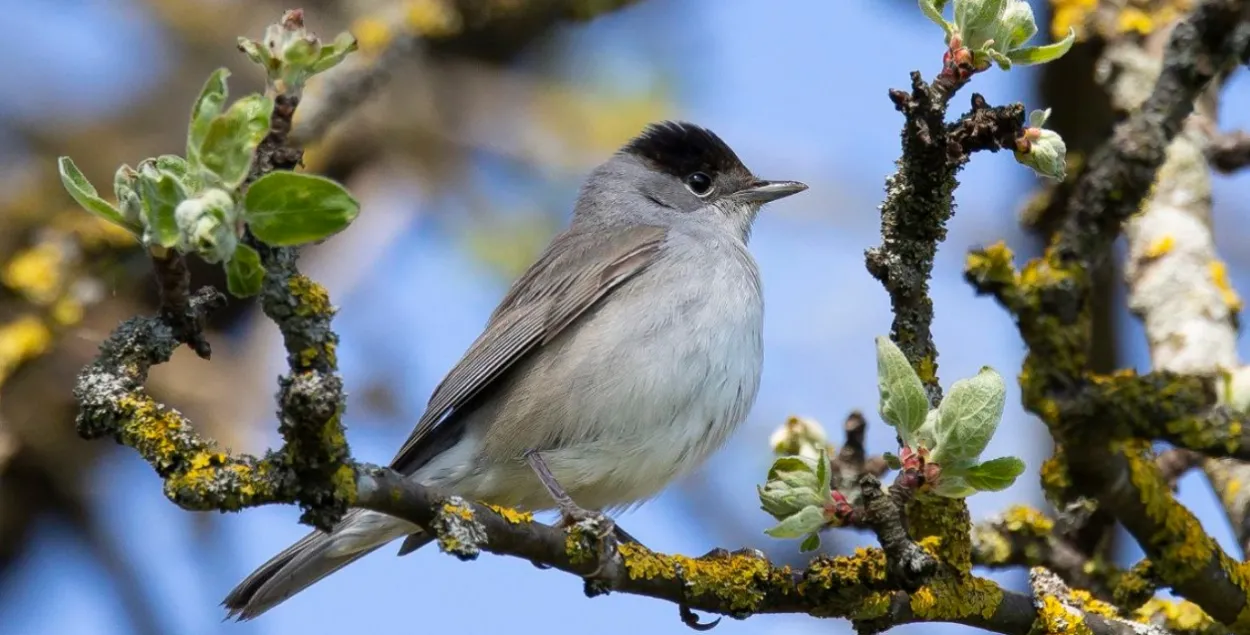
(160, 193)
(207, 106)
(807, 521)
(257, 52)
(244, 274)
(810, 543)
(953, 487)
(331, 55)
(1030, 55)
(892, 461)
(823, 476)
(233, 136)
(976, 20)
(934, 12)
(904, 403)
(173, 164)
(288, 208)
(926, 436)
(994, 475)
(84, 193)
(968, 416)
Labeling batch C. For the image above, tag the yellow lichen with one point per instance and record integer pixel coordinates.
(513, 516)
(1134, 19)
(927, 370)
(1070, 15)
(992, 264)
(21, 340)
(1054, 618)
(36, 272)
(1054, 472)
(1160, 247)
(67, 311)
(1183, 547)
(948, 520)
(432, 18)
(1088, 603)
(1177, 616)
(873, 606)
(372, 35)
(1023, 519)
(1219, 277)
(740, 581)
(313, 300)
(955, 598)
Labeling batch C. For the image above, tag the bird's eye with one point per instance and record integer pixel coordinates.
(699, 183)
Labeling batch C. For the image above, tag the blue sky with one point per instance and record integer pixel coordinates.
(800, 93)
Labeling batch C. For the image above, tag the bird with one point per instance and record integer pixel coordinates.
(624, 356)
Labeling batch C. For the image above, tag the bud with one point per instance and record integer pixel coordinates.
(799, 436)
(1042, 149)
(793, 484)
(206, 225)
(993, 31)
(127, 198)
(290, 54)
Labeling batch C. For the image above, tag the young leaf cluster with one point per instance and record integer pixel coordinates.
(198, 204)
(955, 434)
(995, 31)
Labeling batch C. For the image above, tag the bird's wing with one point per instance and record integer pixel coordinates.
(575, 272)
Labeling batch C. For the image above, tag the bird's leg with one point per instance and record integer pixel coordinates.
(571, 513)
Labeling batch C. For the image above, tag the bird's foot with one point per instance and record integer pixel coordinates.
(572, 515)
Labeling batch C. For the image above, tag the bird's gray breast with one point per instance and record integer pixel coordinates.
(638, 391)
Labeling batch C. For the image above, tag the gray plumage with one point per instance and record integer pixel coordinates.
(625, 355)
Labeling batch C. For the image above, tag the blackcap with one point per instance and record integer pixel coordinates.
(625, 355)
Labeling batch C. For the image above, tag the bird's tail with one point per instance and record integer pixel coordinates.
(314, 557)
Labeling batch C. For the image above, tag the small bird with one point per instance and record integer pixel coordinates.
(624, 357)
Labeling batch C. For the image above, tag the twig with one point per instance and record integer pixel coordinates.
(918, 203)
(1050, 303)
(1229, 153)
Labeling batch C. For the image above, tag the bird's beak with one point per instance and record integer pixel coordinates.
(765, 191)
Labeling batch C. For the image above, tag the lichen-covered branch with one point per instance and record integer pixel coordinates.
(857, 587)
(920, 200)
(1049, 299)
(1229, 153)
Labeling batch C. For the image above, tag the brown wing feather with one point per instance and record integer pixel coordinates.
(575, 272)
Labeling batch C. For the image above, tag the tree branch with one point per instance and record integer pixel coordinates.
(1049, 299)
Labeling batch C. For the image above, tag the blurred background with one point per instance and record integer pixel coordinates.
(466, 156)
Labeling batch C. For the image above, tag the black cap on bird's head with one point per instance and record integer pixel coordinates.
(701, 160)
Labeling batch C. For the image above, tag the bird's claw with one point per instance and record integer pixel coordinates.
(689, 618)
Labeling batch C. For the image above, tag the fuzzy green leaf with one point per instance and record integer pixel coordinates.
(1030, 55)
(160, 192)
(933, 11)
(331, 55)
(289, 208)
(953, 487)
(892, 461)
(904, 403)
(84, 193)
(232, 138)
(244, 273)
(207, 106)
(994, 475)
(809, 520)
(810, 543)
(968, 417)
(823, 475)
